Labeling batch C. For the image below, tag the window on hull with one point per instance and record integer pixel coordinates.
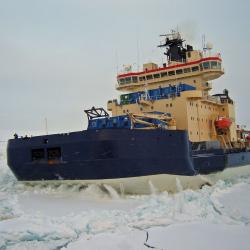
(54, 153)
(37, 154)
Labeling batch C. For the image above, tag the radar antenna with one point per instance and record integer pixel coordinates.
(175, 51)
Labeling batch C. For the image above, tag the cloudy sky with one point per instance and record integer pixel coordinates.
(58, 57)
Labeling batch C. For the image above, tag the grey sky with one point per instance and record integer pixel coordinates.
(58, 57)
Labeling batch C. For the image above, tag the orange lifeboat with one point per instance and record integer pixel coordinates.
(223, 123)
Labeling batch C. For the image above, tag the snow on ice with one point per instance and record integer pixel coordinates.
(70, 218)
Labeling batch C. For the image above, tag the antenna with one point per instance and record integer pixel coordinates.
(174, 47)
(138, 54)
(207, 46)
(46, 125)
(203, 41)
(116, 62)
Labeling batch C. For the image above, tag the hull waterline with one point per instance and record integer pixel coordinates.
(150, 184)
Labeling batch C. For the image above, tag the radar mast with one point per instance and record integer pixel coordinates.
(175, 51)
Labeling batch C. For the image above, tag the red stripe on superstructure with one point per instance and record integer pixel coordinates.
(169, 67)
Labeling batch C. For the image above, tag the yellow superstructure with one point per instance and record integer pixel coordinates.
(194, 110)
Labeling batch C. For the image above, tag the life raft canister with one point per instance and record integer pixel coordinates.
(223, 122)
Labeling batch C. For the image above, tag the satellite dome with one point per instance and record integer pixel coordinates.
(209, 45)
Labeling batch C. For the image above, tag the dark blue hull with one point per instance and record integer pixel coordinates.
(102, 154)
(218, 160)
(111, 154)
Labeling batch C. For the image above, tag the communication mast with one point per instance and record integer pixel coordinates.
(207, 46)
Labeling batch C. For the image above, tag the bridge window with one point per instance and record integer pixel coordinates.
(142, 78)
(206, 65)
(196, 68)
(214, 65)
(164, 74)
(171, 73)
(219, 65)
(134, 79)
(201, 67)
(186, 70)
(128, 79)
(156, 75)
(179, 71)
(121, 80)
(149, 77)
(37, 154)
